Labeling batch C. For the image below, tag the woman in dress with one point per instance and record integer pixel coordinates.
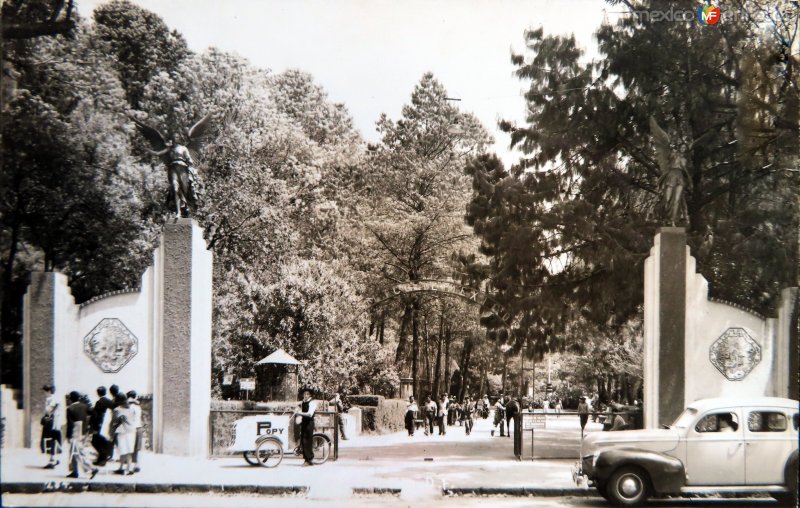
(124, 431)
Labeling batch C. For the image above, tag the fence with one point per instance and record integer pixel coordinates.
(531, 421)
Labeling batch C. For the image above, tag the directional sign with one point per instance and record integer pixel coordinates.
(247, 383)
(532, 421)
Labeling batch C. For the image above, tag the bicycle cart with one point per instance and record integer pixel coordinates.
(263, 440)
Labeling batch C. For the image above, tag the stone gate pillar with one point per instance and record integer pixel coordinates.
(182, 341)
(664, 327)
(50, 318)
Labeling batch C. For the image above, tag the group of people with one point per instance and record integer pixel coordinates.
(90, 425)
(444, 412)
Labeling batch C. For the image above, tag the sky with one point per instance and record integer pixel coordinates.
(369, 54)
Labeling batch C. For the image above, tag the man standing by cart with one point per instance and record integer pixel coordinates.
(306, 415)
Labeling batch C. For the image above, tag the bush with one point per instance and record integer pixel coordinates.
(390, 416)
(365, 400)
(368, 419)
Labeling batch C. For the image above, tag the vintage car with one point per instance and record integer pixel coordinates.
(723, 445)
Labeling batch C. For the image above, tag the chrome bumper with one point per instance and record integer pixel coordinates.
(578, 478)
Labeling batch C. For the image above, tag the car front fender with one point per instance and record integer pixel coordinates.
(667, 473)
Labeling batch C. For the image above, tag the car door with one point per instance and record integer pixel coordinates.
(768, 442)
(715, 456)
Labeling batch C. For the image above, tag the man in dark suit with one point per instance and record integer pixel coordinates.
(512, 410)
(77, 427)
(101, 442)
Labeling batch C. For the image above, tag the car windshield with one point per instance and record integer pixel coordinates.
(686, 418)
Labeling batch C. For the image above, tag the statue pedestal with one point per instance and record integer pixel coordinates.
(182, 349)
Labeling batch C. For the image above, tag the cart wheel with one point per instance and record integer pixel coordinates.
(250, 457)
(322, 448)
(269, 453)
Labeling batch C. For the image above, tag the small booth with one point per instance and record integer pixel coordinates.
(276, 377)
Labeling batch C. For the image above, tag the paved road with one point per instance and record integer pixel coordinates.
(90, 499)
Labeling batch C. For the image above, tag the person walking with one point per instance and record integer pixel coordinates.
(99, 426)
(441, 415)
(512, 410)
(306, 415)
(486, 406)
(468, 412)
(51, 426)
(124, 432)
(499, 416)
(411, 415)
(338, 407)
(136, 410)
(583, 413)
(77, 429)
(430, 414)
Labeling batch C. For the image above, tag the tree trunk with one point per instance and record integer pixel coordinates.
(415, 347)
(466, 352)
(382, 327)
(400, 354)
(437, 376)
(427, 355)
(503, 377)
(447, 358)
(482, 386)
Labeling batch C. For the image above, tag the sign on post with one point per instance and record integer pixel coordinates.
(248, 384)
(227, 379)
(532, 421)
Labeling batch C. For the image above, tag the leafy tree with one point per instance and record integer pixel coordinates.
(27, 19)
(140, 42)
(73, 199)
(568, 228)
(413, 207)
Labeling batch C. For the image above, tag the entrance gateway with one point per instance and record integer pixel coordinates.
(155, 340)
(697, 348)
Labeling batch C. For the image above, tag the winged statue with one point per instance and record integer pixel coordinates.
(184, 182)
(674, 179)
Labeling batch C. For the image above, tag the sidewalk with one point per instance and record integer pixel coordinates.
(393, 464)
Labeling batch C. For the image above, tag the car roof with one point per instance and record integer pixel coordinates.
(704, 404)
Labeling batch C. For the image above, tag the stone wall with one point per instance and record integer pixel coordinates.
(155, 340)
(695, 347)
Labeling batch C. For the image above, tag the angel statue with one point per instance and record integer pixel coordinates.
(184, 183)
(674, 179)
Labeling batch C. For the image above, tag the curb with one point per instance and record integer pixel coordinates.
(268, 490)
(147, 488)
(519, 491)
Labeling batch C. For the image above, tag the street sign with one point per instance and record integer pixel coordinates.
(532, 421)
(247, 383)
(227, 379)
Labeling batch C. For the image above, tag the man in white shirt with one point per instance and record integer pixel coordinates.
(307, 409)
(136, 409)
(51, 426)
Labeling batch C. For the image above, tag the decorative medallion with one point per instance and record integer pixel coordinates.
(735, 354)
(110, 345)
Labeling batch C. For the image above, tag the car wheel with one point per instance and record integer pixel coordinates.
(788, 498)
(628, 486)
